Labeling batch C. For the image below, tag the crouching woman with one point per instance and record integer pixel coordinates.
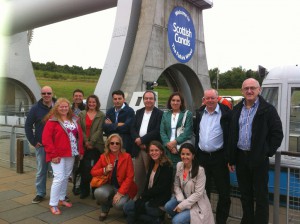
(117, 164)
(147, 208)
(190, 204)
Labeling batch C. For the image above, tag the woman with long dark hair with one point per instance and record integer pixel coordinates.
(157, 191)
(171, 121)
(91, 120)
(190, 203)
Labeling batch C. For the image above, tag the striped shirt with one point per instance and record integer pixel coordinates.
(245, 124)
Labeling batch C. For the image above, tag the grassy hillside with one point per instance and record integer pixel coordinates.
(64, 84)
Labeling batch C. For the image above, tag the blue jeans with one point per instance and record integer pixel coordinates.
(42, 169)
(153, 213)
(181, 217)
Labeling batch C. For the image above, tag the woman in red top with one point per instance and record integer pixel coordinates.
(62, 139)
(90, 120)
(121, 186)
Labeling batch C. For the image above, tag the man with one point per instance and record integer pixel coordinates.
(145, 128)
(119, 119)
(211, 134)
(77, 107)
(35, 118)
(255, 135)
(78, 104)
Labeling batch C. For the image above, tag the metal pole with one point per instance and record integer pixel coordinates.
(276, 188)
(20, 156)
(12, 156)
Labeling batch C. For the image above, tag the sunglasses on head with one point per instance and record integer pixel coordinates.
(48, 93)
(114, 143)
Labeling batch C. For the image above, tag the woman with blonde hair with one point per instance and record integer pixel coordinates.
(116, 163)
(63, 140)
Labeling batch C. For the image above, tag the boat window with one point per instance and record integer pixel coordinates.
(294, 138)
(270, 94)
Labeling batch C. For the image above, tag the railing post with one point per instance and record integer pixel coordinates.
(20, 156)
(12, 156)
(276, 188)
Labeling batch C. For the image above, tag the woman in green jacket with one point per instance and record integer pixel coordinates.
(90, 120)
(171, 121)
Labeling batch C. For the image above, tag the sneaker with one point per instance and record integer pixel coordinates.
(37, 199)
(55, 210)
(65, 203)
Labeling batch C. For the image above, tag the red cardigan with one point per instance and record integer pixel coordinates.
(56, 140)
(125, 172)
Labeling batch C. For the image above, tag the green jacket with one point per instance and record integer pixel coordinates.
(96, 132)
(165, 131)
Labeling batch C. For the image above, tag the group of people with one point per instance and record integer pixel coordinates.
(157, 162)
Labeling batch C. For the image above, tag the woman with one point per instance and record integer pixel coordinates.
(170, 122)
(90, 120)
(119, 167)
(157, 190)
(63, 140)
(190, 204)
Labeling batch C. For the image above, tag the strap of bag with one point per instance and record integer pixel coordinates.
(184, 118)
(107, 159)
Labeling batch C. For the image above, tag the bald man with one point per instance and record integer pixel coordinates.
(35, 120)
(255, 135)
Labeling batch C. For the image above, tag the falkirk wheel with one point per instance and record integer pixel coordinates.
(151, 38)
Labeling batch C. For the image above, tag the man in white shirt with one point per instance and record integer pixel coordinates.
(145, 129)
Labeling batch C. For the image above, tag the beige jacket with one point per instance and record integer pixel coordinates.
(196, 198)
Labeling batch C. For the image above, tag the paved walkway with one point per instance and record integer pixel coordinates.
(18, 190)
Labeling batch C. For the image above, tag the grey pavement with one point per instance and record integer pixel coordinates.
(17, 191)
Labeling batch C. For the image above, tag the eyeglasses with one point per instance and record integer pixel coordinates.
(252, 88)
(48, 93)
(114, 143)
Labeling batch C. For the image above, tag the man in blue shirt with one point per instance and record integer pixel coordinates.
(255, 135)
(211, 134)
(35, 118)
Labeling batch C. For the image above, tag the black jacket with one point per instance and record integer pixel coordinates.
(267, 133)
(160, 192)
(225, 121)
(152, 129)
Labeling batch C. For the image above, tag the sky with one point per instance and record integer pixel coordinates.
(244, 33)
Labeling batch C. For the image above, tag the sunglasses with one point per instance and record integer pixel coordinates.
(48, 93)
(114, 143)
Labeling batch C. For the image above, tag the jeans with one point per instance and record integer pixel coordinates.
(153, 213)
(181, 217)
(104, 196)
(42, 169)
(61, 172)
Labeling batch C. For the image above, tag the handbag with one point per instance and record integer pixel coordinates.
(98, 181)
(180, 130)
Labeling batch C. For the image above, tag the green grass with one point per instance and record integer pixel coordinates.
(65, 87)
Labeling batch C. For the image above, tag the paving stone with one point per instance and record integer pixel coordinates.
(6, 195)
(78, 209)
(22, 213)
(8, 205)
(82, 219)
(31, 220)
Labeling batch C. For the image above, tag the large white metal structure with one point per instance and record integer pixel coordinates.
(139, 51)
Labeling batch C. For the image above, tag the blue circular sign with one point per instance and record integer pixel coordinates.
(181, 34)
